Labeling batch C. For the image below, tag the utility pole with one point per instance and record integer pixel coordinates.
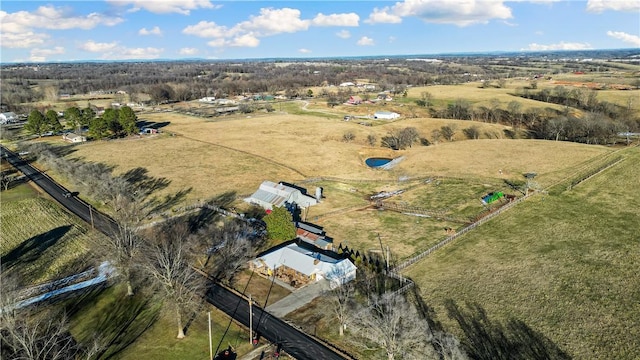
(250, 321)
(210, 343)
(91, 216)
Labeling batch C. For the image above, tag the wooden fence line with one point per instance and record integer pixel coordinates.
(466, 229)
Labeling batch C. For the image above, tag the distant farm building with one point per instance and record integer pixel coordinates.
(298, 264)
(207, 99)
(354, 100)
(74, 138)
(386, 115)
(8, 117)
(270, 195)
(347, 84)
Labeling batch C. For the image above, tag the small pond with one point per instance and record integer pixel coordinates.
(377, 162)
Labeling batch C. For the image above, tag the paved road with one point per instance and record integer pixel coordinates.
(294, 342)
(83, 210)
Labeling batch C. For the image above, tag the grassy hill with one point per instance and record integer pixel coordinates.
(566, 266)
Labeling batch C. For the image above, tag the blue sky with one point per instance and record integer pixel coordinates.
(176, 29)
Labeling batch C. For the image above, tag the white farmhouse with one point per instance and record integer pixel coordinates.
(299, 265)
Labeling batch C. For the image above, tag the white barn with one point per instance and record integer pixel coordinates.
(386, 115)
(270, 195)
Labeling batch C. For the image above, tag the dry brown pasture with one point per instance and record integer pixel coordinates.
(212, 157)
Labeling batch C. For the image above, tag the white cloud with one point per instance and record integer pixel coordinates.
(392, 39)
(274, 21)
(18, 28)
(457, 12)
(350, 19)
(365, 41)
(114, 51)
(155, 31)
(382, 16)
(22, 40)
(246, 40)
(136, 53)
(304, 51)
(598, 6)
(188, 51)
(559, 46)
(628, 38)
(206, 29)
(40, 55)
(343, 34)
(217, 43)
(183, 7)
(93, 46)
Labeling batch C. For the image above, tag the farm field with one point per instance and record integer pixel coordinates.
(40, 240)
(565, 266)
(213, 157)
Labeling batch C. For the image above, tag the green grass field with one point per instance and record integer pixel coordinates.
(39, 239)
(564, 265)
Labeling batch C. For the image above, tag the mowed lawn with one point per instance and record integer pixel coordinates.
(567, 266)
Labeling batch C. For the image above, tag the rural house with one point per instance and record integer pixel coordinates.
(270, 195)
(354, 100)
(298, 263)
(74, 138)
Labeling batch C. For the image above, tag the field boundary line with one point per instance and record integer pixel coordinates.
(243, 152)
(458, 234)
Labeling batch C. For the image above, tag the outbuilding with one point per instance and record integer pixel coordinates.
(270, 195)
(386, 115)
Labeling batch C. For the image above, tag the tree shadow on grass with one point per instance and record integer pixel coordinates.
(487, 339)
(142, 183)
(31, 249)
(223, 200)
(121, 324)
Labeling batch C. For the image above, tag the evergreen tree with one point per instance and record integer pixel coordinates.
(53, 124)
(35, 123)
(127, 119)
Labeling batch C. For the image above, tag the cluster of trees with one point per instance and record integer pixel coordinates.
(113, 123)
(374, 316)
(188, 80)
(40, 124)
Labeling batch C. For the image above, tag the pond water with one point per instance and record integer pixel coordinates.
(377, 162)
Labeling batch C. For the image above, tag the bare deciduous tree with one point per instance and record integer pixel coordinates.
(393, 324)
(33, 333)
(125, 244)
(342, 301)
(168, 253)
(229, 247)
